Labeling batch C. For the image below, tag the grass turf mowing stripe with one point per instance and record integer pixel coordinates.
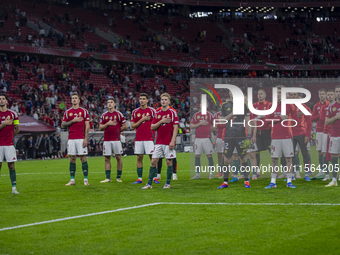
(163, 203)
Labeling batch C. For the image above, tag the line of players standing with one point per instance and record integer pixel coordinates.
(281, 142)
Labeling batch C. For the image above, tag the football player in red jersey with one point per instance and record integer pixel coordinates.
(9, 128)
(166, 124)
(142, 118)
(112, 122)
(203, 126)
(326, 135)
(160, 162)
(333, 118)
(320, 123)
(77, 120)
(281, 139)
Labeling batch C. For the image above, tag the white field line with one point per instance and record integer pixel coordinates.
(162, 203)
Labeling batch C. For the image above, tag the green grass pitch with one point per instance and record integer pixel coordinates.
(162, 228)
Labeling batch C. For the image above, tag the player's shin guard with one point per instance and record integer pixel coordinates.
(72, 170)
(152, 172)
(108, 174)
(226, 172)
(85, 168)
(13, 177)
(325, 166)
(197, 164)
(211, 163)
(169, 174)
(335, 168)
(174, 164)
(320, 161)
(245, 170)
(257, 158)
(159, 166)
(119, 174)
(140, 172)
(296, 163)
(236, 164)
(283, 161)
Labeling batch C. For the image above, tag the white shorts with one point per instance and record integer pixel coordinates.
(282, 147)
(299, 149)
(318, 140)
(334, 145)
(112, 147)
(9, 153)
(144, 147)
(324, 143)
(203, 145)
(219, 145)
(162, 151)
(253, 149)
(75, 147)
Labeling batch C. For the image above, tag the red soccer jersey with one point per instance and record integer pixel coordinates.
(303, 126)
(220, 127)
(316, 116)
(265, 105)
(327, 128)
(76, 130)
(7, 133)
(144, 132)
(165, 131)
(112, 133)
(333, 110)
(278, 130)
(203, 131)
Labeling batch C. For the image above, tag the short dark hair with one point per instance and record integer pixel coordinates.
(75, 94)
(330, 90)
(144, 95)
(111, 98)
(337, 86)
(4, 95)
(322, 89)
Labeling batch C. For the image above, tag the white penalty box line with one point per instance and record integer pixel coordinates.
(162, 203)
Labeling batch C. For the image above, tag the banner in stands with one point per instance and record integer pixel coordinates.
(315, 41)
(30, 125)
(121, 58)
(238, 40)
